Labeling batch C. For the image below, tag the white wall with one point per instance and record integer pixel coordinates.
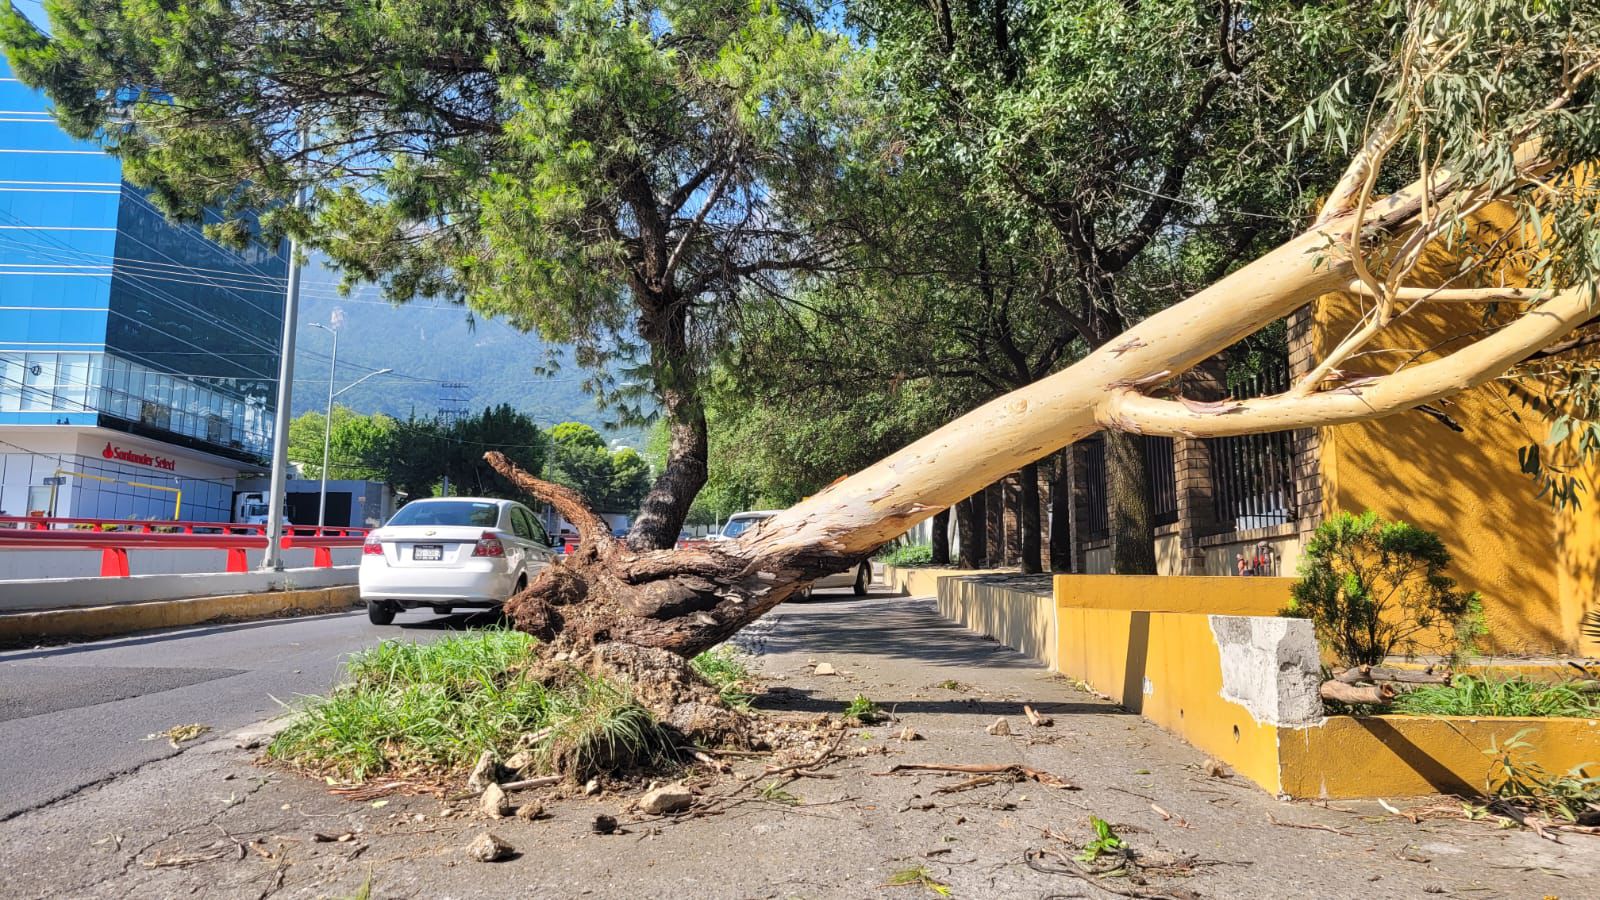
(28, 565)
(61, 593)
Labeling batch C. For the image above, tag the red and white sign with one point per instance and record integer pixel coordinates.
(138, 457)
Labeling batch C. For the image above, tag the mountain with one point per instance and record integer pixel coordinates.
(442, 357)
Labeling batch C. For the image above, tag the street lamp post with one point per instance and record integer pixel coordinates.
(327, 417)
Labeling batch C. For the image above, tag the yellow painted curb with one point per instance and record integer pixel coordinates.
(924, 582)
(121, 618)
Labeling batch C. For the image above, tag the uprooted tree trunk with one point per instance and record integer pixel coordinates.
(647, 607)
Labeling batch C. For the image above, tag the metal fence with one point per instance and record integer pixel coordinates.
(1253, 474)
(1098, 526)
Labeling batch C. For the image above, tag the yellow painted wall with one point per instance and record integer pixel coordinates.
(1400, 756)
(1535, 567)
(1023, 621)
(1228, 596)
(915, 581)
(1122, 652)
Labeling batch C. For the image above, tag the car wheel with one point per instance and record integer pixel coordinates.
(863, 578)
(380, 613)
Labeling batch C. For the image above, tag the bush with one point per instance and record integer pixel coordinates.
(908, 555)
(1374, 587)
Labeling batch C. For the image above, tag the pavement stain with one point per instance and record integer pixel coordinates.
(226, 827)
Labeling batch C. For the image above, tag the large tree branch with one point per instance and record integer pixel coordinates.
(1371, 398)
(593, 532)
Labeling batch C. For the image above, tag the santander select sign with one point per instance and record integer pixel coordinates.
(123, 454)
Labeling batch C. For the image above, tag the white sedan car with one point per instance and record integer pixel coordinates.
(857, 579)
(447, 552)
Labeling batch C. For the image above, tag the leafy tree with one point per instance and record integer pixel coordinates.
(580, 459)
(610, 174)
(1149, 138)
(422, 453)
(357, 444)
(1374, 588)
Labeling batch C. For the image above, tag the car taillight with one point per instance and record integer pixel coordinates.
(489, 545)
(371, 547)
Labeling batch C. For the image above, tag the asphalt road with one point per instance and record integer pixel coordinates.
(73, 716)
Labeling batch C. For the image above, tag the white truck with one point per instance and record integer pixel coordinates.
(250, 508)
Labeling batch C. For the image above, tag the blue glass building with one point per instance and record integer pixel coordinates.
(138, 359)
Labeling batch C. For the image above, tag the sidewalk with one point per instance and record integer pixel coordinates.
(209, 822)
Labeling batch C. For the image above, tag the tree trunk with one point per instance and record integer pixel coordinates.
(994, 546)
(1011, 490)
(969, 532)
(1029, 520)
(1133, 542)
(941, 538)
(685, 601)
(1061, 549)
(665, 508)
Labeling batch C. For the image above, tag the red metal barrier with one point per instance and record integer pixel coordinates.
(115, 537)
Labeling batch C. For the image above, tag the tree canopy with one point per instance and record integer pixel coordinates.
(612, 481)
(610, 174)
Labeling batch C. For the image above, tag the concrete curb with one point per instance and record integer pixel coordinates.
(122, 618)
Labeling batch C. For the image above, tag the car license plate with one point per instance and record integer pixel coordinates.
(427, 552)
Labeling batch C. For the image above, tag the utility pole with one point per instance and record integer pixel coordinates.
(273, 559)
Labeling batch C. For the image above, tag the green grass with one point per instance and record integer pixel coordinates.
(1470, 695)
(907, 555)
(918, 876)
(428, 710)
(725, 668)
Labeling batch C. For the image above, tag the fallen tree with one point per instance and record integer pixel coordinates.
(1525, 162)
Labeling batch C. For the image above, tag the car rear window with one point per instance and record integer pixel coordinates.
(739, 525)
(448, 512)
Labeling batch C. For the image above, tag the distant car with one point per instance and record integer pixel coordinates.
(858, 579)
(449, 552)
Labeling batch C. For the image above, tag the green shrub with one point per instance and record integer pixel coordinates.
(907, 555)
(1468, 695)
(1374, 588)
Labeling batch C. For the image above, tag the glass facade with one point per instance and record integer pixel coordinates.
(111, 316)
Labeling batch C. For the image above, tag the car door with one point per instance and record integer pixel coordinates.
(539, 551)
(521, 539)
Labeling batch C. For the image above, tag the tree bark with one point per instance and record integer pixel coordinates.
(972, 531)
(1029, 519)
(1133, 548)
(941, 538)
(1011, 490)
(994, 547)
(1061, 517)
(662, 514)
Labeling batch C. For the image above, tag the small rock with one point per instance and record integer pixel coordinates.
(591, 787)
(824, 669)
(1000, 728)
(531, 810)
(519, 760)
(909, 734)
(667, 799)
(1215, 769)
(488, 848)
(604, 824)
(493, 802)
(482, 773)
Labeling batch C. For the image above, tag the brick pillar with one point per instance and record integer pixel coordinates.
(1307, 441)
(1191, 460)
